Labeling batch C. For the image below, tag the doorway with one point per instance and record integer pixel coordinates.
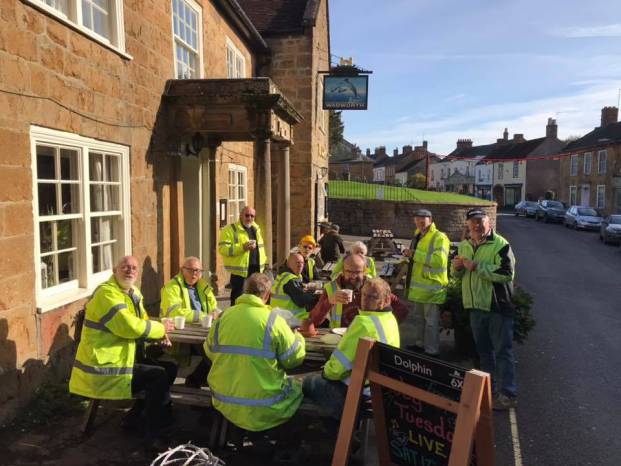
(585, 197)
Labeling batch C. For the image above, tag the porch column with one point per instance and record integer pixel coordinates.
(284, 205)
(210, 217)
(177, 223)
(263, 191)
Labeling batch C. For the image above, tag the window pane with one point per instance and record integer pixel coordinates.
(45, 163)
(47, 199)
(112, 198)
(48, 274)
(95, 166)
(64, 232)
(66, 267)
(103, 229)
(102, 257)
(86, 14)
(70, 198)
(45, 237)
(68, 165)
(97, 198)
(101, 23)
(112, 168)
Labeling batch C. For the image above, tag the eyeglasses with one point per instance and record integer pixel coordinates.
(249, 215)
(193, 270)
(353, 271)
(129, 267)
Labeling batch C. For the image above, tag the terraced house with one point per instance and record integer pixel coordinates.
(141, 128)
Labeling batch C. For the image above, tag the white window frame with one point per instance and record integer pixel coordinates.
(199, 32)
(73, 19)
(233, 215)
(239, 61)
(588, 157)
(600, 199)
(573, 165)
(573, 195)
(602, 156)
(86, 280)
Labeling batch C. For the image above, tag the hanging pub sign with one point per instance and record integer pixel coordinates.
(345, 92)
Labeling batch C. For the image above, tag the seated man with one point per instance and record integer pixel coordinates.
(341, 306)
(375, 321)
(306, 247)
(288, 289)
(361, 249)
(110, 362)
(250, 347)
(187, 294)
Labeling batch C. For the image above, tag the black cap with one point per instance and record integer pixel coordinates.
(475, 213)
(423, 213)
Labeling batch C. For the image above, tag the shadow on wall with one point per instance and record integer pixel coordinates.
(150, 286)
(17, 385)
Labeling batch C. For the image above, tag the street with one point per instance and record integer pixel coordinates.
(568, 370)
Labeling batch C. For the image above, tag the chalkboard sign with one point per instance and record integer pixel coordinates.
(426, 412)
(419, 433)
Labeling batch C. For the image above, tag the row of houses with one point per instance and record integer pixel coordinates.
(142, 128)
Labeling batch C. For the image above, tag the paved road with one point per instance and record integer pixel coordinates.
(569, 370)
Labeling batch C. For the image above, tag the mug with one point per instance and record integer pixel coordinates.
(179, 322)
(207, 320)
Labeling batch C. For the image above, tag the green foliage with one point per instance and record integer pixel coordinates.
(337, 128)
(524, 320)
(50, 401)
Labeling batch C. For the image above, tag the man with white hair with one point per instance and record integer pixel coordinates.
(359, 248)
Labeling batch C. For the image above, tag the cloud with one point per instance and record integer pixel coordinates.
(609, 30)
(576, 114)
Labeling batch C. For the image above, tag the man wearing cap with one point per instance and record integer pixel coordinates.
(427, 280)
(486, 265)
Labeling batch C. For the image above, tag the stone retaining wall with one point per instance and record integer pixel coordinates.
(360, 217)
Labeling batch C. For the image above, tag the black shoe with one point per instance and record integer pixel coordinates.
(133, 418)
(192, 383)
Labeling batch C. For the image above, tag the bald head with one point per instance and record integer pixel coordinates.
(126, 272)
(295, 262)
(353, 271)
(247, 216)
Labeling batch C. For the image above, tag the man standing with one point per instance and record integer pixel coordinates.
(427, 280)
(288, 290)
(110, 363)
(187, 294)
(340, 301)
(375, 321)
(250, 347)
(331, 245)
(486, 265)
(242, 248)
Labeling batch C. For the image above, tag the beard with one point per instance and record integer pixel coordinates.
(126, 283)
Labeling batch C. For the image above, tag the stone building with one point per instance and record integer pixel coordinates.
(141, 128)
(590, 167)
(348, 163)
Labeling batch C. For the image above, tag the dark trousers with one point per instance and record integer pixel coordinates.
(155, 378)
(237, 283)
(199, 375)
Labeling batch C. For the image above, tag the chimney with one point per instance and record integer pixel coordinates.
(407, 149)
(368, 152)
(395, 152)
(380, 152)
(518, 138)
(505, 135)
(609, 115)
(551, 128)
(464, 143)
(425, 144)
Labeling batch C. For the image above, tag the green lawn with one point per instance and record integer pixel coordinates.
(355, 190)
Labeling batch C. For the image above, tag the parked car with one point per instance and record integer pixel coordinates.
(526, 208)
(610, 229)
(586, 218)
(550, 211)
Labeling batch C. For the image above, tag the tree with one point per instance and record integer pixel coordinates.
(337, 128)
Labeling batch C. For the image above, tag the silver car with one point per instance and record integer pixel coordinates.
(610, 229)
(585, 218)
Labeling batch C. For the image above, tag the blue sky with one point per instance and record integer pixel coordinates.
(449, 69)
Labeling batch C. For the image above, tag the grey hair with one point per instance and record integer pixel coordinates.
(191, 258)
(380, 284)
(360, 246)
(258, 284)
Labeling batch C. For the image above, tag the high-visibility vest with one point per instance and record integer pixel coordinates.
(429, 277)
(310, 267)
(176, 299)
(379, 325)
(369, 268)
(283, 300)
(104, 361)
(231, 247)
(250, 347)
(336, 312)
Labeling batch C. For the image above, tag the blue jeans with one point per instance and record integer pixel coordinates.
(328, 394)
(493, 335)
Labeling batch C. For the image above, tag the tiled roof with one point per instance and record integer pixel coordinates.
(411, 164)
(471, 152)
(276, 16)
(512, 150)
(596, 138)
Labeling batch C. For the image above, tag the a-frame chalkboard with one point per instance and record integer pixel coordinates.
(426, 412)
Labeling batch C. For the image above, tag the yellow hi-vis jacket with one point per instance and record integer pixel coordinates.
(369, 269)
(176, 299)
(231, 247)
(282, 300)
(378, 325)
(430, 268)
(105, 359)
(337, 309)
(250, 347)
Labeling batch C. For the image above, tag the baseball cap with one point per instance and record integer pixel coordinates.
(422, 213)
(475, 213)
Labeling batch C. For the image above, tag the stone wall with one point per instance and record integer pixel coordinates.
(358, 217)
